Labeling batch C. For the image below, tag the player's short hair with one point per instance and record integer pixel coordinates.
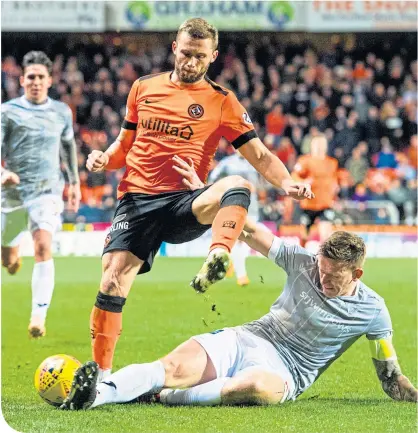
(198, 28)
(344, 247)
(37, 58)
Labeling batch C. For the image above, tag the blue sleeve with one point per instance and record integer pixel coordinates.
(5, 131)
(68, 132)
(381, 325)
(290, 257)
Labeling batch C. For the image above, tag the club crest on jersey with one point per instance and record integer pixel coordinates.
(196, 111)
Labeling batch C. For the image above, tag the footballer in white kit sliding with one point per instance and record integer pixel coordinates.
(322, 311)
(36, 134)
(231, 165)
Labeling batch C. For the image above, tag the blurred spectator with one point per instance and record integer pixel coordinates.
(379, 192)
(377, 96)
(91, 212)
(386, 158)
(357, 165)
(276, 123)
(392, 125)
(306, 142)
(296, 137)
(348, 138)
(404, 170)
(361, 194)
(286, 152)
(372, 130)
(399, 195)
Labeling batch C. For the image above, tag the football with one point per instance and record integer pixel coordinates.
(54, 376)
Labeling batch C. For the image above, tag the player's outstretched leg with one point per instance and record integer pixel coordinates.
(83, 388)
(185, 366)
(227, 225)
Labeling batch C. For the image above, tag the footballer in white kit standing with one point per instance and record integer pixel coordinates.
(36, 131)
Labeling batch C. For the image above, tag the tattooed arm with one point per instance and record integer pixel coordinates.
(394, 383)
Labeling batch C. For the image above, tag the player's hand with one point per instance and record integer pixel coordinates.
(97, 161)
(8, 178)
(404, 390)
(74, 197)
(186, 169)
(297, 190)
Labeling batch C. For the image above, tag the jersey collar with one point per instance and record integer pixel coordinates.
(28, 104)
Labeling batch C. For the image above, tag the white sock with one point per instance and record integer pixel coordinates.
(239, 254)
(131, 382)
(43, 277)
(103, 374)
(207, 394)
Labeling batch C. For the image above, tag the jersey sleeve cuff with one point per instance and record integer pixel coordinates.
(274, 249)
(126, 124)
(244, 138)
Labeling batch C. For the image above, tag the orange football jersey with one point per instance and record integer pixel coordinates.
(323, 177)
(172, 119)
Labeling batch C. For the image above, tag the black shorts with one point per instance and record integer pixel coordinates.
(309, 216)
(143, 221)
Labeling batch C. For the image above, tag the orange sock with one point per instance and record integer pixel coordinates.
(105, 327)
(227, 226)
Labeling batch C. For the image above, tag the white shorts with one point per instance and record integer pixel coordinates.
(43, 213)
(233, 350)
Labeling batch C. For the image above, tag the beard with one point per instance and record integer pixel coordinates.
(188, 77)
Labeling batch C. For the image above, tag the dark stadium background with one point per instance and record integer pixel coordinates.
(321, 83)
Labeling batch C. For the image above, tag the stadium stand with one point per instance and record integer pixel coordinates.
(358, 89)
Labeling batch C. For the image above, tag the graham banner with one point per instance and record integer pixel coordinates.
(225, 15)
(360, 15)
(53, 16)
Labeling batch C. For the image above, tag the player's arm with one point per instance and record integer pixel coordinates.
(273, 170)
(115, 156)
(69, 160)
(8, 177)
(394, 383)
(237, 127)
(257, 237)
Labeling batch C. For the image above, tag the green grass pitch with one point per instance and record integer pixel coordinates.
(161, 312)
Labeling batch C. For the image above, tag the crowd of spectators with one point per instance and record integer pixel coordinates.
(363, 98)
